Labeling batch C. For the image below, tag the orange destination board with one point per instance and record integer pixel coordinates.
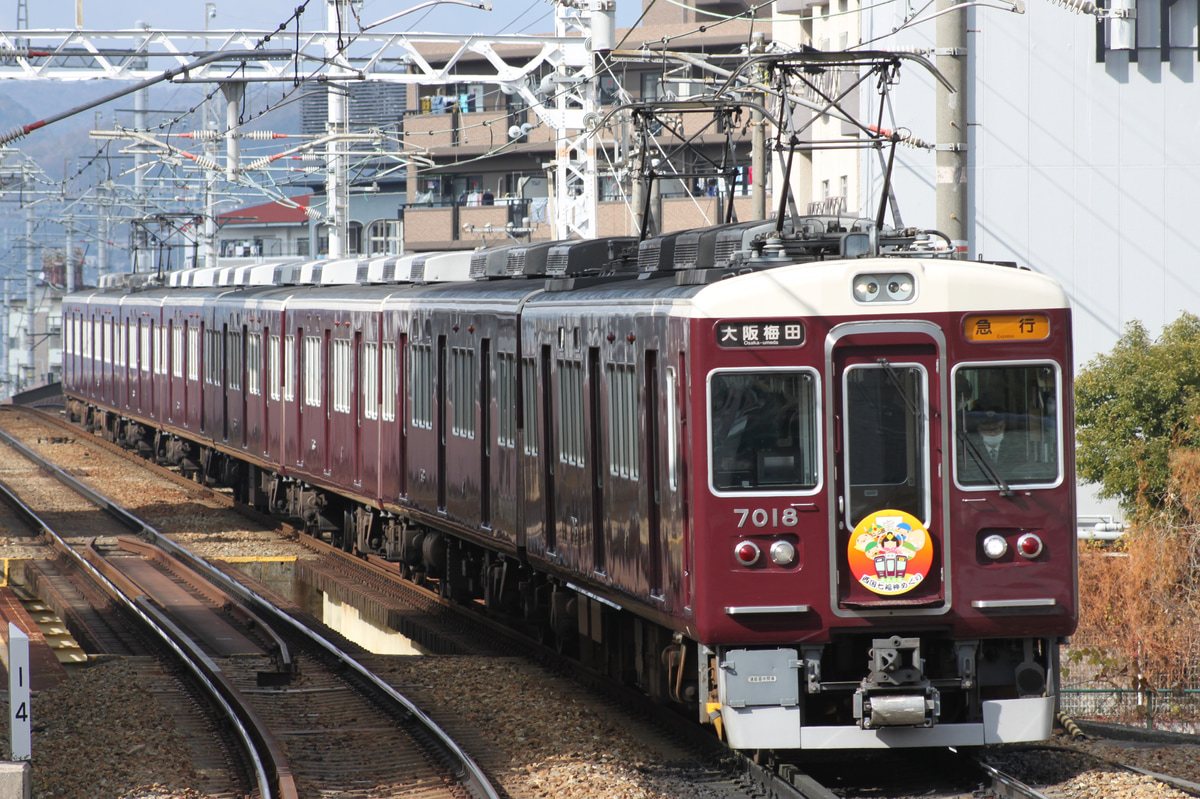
(1006, 327)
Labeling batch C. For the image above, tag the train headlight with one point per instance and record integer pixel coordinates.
(894, 287)
(1029, 545)
(783, 553)
(866, 288)
(994, 546)
(747, 553)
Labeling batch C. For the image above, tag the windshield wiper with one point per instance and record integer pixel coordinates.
(968, 444)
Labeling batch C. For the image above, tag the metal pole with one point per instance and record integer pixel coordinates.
(68, 261)
(952, 187)
(141, 255)
(30, 291)
(337, 194)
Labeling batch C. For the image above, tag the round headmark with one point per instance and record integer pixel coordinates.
(890, 552)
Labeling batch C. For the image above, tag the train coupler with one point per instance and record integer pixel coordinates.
(895, 692)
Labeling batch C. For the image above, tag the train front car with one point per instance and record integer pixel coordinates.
(884, 503)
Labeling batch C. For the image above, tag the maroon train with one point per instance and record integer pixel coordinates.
(754, 471)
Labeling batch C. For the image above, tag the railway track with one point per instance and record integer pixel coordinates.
(372, 727)
(411, 609)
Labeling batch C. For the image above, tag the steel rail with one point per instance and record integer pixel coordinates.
(201, 669)
(467, 770)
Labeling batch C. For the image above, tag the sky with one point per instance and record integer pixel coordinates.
(506, 16)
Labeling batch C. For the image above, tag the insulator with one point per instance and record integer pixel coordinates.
(313, 213)
(207, 163)
(264, 135)
(14, 52)
(261, 163)
(1078, 6)
(201, 135)
(12, 135)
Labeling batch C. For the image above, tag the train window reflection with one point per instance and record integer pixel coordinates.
(763, 430)
(1006, 425)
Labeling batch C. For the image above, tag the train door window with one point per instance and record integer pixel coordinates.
(177, 351)
(120, 353)
(389, 384)
(342, 374)
(529, 384)
(233, 354)
(506, 378)
(160, 352)
(87, 339)
(672, 417)
(254, 363)
(108, 341)
(312, 371)
(289, 369)
(369, 379)
(422, 383)
(193, 352)
(274, 377)
(147, 336)
(623, 439)
(1007, 424)
(464, 393)
(887, 440)
(570, 412)
(763, 430)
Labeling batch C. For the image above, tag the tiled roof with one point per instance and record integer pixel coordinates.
(272, 213)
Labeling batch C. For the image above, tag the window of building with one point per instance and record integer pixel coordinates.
(623, 438)
(383, 237)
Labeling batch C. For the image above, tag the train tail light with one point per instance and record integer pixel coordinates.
(994, 546)
(747, 553)
(1029, 545)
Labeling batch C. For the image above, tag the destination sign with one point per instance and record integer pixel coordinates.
(1006, 327)
(760, 333)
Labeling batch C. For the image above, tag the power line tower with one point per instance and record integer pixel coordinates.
(22, 15)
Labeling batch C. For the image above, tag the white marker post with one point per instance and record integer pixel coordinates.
(18, 694)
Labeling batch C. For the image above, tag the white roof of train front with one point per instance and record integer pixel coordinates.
(827, 289)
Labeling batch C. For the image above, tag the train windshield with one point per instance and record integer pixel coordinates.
(1006, 425)
(763, 430)
(886, 440)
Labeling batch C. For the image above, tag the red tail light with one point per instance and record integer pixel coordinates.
(1029, 545)
(747, 553)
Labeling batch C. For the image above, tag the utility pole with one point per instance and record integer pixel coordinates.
(758, 141)
(337, 188)
(951, 61)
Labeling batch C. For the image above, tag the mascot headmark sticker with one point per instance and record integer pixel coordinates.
(890, 552)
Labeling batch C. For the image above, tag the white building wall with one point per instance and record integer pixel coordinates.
(1085, 171)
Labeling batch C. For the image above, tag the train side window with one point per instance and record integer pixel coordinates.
(672, 409)
(312, 371)
(343, 380)
(289, 368)
(233, 354)
(624, 446)
(390, 383)
(464, 392)
(529, 386)
(1007, 420)
(369, 379)
(422, 386)
(763, 430)
(147, 336)
(506, 378)
(254, 363)
(570, 412)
